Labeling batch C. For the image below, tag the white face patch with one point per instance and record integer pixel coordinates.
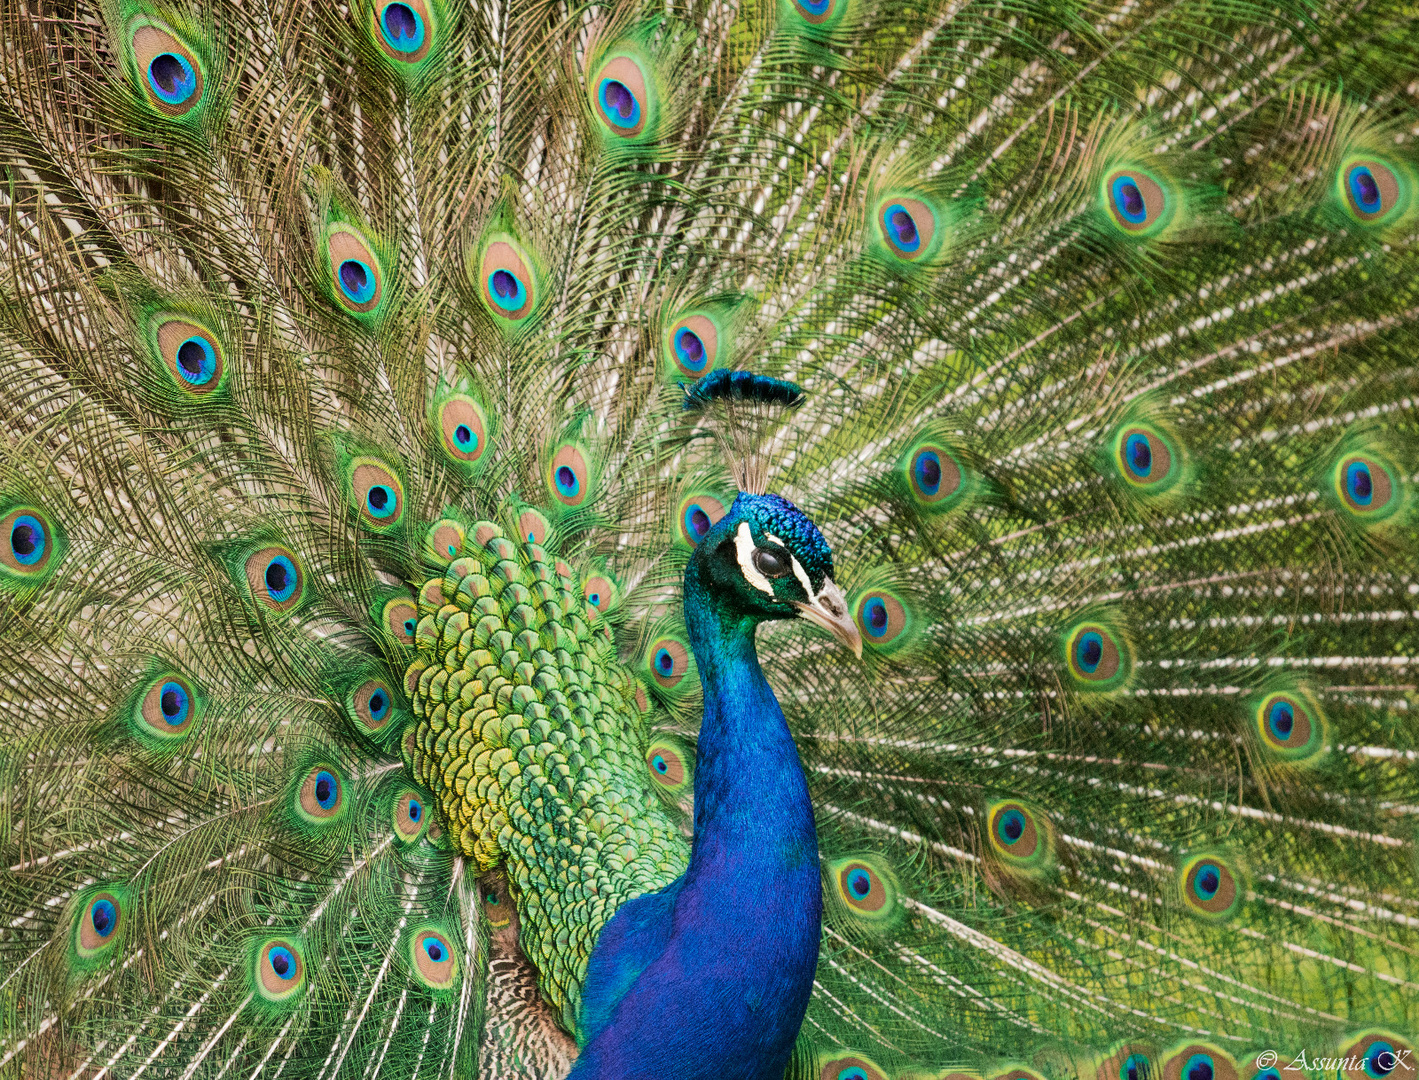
(744, 550)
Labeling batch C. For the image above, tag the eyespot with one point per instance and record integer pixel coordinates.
(356, 272)
(168, 708)
(882, 618)
(696, 515)
(1210, 887)
(273, 573)
(322, 795)
(464, 428)
(850, 1067)
(1290, 726)
(1365, 485)
(933, 475)
(169, 72)
(693, 345)
(1370, 188)
(99, 922)
(1145, 459)
(192, 356)
(411, 814)
(815, 12)
(620, 98)
(444, 540)
(403, 30)
(668, 661)
(1198, 1061)
(1097, 656)
(1020, 836)
(1136, 201)
(401, 619)
(908, 226)
(600, 594)
(669, 765)
(533, 527)
(378, 494)
(770, 563)
(372, 705)
(279, 970)
(1126, 1062)
(567, 477)
(507, 284)
(435, 962)
(32, 546)
(1376, 1055)
(497, 904)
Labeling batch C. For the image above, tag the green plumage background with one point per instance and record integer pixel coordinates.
(479, 638)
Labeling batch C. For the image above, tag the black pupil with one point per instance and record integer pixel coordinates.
(414, 811)
(435, 953)
(353, 276)
(1132, 200)
(566, 477)
(22, 540)
(376, 702)
(504, 284)
(1201, 1071)
(1142, 455)
(861, 885)
(930, 472)
(492, 898)
(877, 616)
(620, 98)
(1383, 1062)
(102, 920)
(1209, 881)
(1284, 720)
(1014, 828)
(699, 522)
(1132, 1070)
(166, 70)
(171, 704)
(1369, 190)
(276, 577)
(905, 226)
(692, 346)
(322, 789)
(280, 965)
(409, 627)
(190, 355)
(770, 564)
(665, 663)
(1093, 651)
(399, 21)
(1363, 486)
(462, 433)
(378, 497)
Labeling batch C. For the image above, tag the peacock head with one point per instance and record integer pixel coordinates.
(765, 560)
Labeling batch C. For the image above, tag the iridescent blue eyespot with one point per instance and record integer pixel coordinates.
(27, 540)
(104, 917)
(196, 360)
(281, 579)
(664, 662)
(927, 471)
(379, 705)
(1010, 826)
(1281, 719)
(465, 438)
(1359, 483)
(282, 962)
(380, 500)
(566, 480)
(875, 617)
(618, 104)
(506, 290)
(410, 626)
(859, 882)
(171, 77)
(594, 599)
(1206, 881)
(415, 810)
(690, 351)
(1267, 1074)
(659, 764)
(901, 228)
(402, 28)
(1089, 651)
(1136, 1067)
(1381, 1059)
(815, 7)
(697, 522)
(1198, 1067)
(174, 703)
(852, 1072)
(434, 949)
(327, 789)
(1128, 200)
(1364, 189)
(357, 281)
(1139, 455)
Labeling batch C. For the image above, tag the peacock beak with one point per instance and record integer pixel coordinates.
(829, 610)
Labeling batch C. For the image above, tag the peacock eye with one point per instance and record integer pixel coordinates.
(771, 564)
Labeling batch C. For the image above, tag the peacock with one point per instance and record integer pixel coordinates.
(753, 539)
